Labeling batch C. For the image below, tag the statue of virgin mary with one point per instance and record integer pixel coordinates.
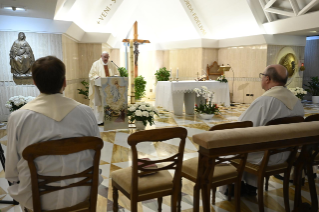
(21, 58)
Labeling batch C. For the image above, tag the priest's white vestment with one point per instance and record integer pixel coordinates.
(49, 117)
(97, 70)
(277, 102)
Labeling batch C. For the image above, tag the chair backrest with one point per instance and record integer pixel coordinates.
(156, 135)
(292, 150)
(314, 117)
(64, 147)
(241, 157)
(232, 125)
(212, 71)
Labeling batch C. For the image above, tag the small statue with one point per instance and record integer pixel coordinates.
(21, 58)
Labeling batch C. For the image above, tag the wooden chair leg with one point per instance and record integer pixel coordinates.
(179, 204)
(286, 191)
(115, 199)
(196, 198)
(213, 195)
(260, 191)
(267, 183)
(237, 195)
(230, 190)
(159, 202)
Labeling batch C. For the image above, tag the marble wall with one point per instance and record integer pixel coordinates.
(246, 63)
(42, 45)
(78, 59)
(311, 62)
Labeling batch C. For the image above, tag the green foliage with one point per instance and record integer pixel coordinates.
(207, 108)
(123, 72)
(140, 85)
(162, 74)
(86, 91)
(313, 86)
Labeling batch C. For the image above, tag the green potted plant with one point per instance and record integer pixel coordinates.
(123, 72)
(140, 85)
(162, 74)
(313, 89)
(84, 92)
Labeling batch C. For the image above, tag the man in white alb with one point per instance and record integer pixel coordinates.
(276, 102)
(50, 116)
(100, 68)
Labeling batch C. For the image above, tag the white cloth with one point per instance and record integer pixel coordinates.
(26, 127)
(170, 95)
(54, 106)
(262, 110)
(97, 70)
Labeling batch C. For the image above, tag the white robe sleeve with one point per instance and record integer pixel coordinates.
(94, 72)
(12, 156)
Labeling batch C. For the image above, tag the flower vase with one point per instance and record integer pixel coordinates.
(206, 116)
(139, 125)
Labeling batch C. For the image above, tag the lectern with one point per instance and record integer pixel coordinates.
(111, 94)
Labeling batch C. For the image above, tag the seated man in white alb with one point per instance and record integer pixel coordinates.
(50, 116)
(100, 68)
(276, 102)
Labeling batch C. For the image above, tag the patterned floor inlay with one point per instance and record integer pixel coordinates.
(116, 154)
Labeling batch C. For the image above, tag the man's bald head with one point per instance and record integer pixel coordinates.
(277, 73)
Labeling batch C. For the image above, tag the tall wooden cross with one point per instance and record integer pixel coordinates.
(136, 42)
(134, 73)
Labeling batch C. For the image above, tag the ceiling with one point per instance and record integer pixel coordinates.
(171, 20)
(34, 8)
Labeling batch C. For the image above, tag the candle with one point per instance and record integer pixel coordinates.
(177, 73)
(170, 72)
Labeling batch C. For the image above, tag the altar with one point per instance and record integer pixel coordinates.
(172, 95)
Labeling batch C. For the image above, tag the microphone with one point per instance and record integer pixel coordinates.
(114, 63)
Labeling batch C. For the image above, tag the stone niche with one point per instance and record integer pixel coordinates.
(288, 58)
(42, 44)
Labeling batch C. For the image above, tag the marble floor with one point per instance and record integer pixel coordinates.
(116, 155)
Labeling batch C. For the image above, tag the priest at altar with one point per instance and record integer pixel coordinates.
(100, 68)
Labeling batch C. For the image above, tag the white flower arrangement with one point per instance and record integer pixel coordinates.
(207, 107)
(298, 92)
(222, 78)
(142, 111)
(204, 92)
(16, 102)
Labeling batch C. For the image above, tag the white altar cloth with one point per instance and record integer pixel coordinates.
(171, 95)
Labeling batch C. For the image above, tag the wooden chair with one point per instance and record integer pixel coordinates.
(212, 71)
(137, 187)
(64, 147)
(315, 155)
(264, 171)
(220, 174)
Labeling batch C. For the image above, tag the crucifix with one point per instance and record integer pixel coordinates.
(134, 73)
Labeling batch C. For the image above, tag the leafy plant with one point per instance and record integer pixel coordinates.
(313, 86)
(123, 72)
(140, 85)
(207, 108)
(162, 74)
(86, 91)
